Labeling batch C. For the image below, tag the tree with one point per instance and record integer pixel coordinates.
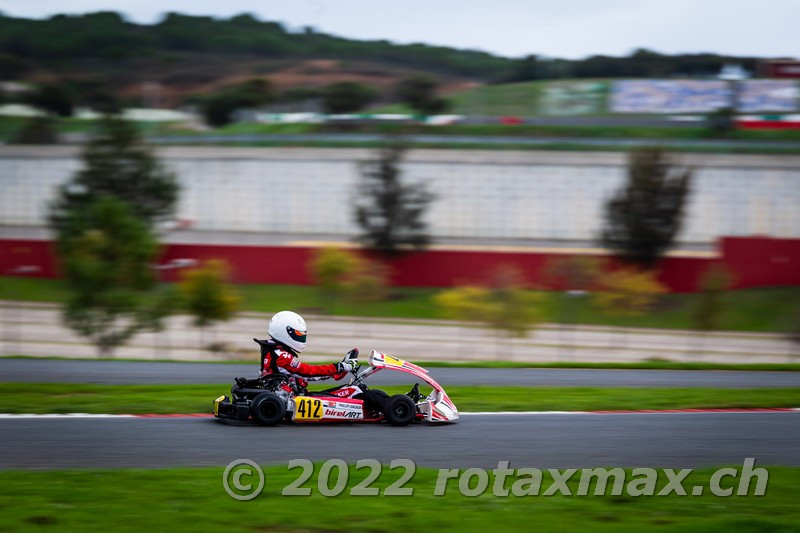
(219, 107)
(389, 211)
(103, 100)
(348, 97)
(117, 163)
(525, 69)
(722, 121)
(643, 218)
(207, 295)
(12, 67)
(419, 92)
(107, 253)
(255, 92)
(52, 99)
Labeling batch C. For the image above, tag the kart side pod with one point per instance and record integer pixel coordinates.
(437, 407)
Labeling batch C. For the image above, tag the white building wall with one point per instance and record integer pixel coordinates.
(488, 194)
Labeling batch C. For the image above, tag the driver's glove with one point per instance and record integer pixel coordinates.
(344, 366)
(348, 364)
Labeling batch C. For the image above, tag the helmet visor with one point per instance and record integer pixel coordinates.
(296, 334)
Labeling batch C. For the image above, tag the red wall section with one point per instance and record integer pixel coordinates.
(21, 253)
(753, 261)
(760, 261)
(249, 264)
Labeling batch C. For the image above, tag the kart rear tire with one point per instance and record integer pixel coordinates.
(400, 410)
(267, 409)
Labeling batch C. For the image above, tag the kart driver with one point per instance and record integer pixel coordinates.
(287, 330)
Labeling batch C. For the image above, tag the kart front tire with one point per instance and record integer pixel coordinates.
(267, 409)
(400, 410)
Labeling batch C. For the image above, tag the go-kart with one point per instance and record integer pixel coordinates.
(277, 398)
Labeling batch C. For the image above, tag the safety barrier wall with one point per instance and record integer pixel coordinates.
(484, 195)
(753, 262)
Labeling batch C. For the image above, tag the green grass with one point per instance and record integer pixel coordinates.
(757, 310)
(500, 130)
(177, 499)
(10, 126)
(139, 399)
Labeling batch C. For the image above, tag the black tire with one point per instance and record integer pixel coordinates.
(400, 410)
(267, 409)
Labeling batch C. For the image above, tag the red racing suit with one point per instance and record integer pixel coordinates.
(279, 360)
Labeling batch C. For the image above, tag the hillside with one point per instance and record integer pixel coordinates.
(183, 55)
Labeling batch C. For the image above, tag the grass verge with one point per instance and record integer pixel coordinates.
(762, 310)
(170, 499)
(140, 399)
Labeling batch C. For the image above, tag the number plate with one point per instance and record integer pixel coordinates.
(388, 360)
(306, 408)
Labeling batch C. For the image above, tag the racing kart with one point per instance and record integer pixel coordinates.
(277, 398)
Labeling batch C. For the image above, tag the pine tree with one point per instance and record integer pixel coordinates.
(117, 163)
(643, 218)
(389, 210)
(106, 255)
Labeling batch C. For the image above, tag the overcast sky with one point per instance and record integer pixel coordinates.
(560, 28)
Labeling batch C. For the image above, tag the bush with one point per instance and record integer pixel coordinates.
(369, 283)
(206, 294)
(628, 292)
(468, 303)
(574, 273)
(708, 308)
(341, 273)
(503, 306)
(330, 269)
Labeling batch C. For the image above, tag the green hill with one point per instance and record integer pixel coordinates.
(182, 55)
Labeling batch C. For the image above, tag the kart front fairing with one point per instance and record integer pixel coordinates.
(437, 407)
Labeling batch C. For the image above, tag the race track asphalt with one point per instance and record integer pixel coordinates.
(685, 440)
(124, 372)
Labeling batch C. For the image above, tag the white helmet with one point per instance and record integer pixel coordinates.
(289, 329)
